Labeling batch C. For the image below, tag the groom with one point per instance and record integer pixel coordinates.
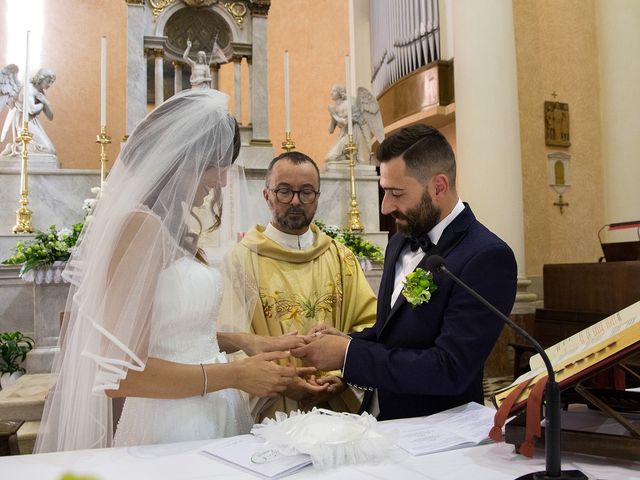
(421, 360)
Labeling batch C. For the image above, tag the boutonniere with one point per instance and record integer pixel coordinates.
(418, 287)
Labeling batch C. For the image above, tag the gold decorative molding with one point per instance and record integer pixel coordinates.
(238, 10)
(23, 214)
(200, 3)
(158, 52)
(135, 2)
(103, 139)
(159, 6)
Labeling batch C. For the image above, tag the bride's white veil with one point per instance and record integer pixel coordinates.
(140, 226)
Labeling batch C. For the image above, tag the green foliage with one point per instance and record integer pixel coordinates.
(47, 247)
(71, 476)
(418, 287)
(13, 350)
(361, 247)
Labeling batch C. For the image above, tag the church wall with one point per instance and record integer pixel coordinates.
(71, 47)
(557, 51)
(317, 37)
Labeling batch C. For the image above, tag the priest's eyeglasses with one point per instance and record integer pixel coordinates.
(285, 195)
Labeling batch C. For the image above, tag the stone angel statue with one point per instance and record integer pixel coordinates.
(11, 96)
(367, 123)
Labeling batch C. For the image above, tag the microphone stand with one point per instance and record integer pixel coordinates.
(553, 470)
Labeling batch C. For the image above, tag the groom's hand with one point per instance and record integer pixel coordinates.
(325, 352)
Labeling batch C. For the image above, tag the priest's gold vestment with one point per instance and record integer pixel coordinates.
(297, 289)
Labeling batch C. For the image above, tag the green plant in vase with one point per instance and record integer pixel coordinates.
(14, 347)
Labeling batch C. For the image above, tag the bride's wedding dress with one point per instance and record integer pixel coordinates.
(183, 330)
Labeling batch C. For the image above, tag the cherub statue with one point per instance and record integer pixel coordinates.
(200, 73)
(11, 96)
(367, 123)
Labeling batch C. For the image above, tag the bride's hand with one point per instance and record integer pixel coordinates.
(253, 344)
(323, 329)
(261, 376)
(261, 344)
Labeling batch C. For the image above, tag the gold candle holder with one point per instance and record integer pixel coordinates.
(288, 144)
(23, 214)
(103, 139)
(350, 150)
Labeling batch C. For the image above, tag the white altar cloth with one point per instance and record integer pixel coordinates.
(184, 461)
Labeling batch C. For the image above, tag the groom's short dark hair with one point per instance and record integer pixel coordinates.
(424, 149)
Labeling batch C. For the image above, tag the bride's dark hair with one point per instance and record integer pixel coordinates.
(204, 138)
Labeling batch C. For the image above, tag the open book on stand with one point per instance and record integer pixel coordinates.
(603, 345)
(580, 356)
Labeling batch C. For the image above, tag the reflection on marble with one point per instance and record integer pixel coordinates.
(49, 302)
(55, 197)
(35, 162)
(16, 301)
(259, 79)
(136, 67)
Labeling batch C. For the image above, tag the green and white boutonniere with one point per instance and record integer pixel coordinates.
(418, 287)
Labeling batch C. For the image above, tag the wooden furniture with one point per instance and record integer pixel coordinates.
(9, 436)
(577, 295)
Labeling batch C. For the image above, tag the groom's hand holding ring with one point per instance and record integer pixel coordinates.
(323, 351)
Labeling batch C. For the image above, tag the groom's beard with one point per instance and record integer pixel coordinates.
(295, 218)
(419, 219)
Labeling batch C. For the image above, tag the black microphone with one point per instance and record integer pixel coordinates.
(435, 264)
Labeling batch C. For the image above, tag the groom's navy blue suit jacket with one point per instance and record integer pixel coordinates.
(430, 358)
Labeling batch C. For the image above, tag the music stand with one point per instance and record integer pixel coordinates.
(621, 251)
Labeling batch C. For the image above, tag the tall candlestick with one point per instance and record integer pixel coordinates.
(347, 88)
(103, 82)
(25, 88)
(287, 100)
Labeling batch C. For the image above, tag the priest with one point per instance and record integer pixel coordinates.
(302, 278)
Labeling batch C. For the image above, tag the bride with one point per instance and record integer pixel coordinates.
(143, 309)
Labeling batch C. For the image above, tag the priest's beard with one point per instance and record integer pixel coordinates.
(419, 219)
(295, 218)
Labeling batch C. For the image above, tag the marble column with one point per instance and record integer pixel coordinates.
(177, 77)
(159, 75)
(487, 122)
(619, 43)
(136, 67)
(214, 69)
(250, 100)
(237, 88)
(259, 81)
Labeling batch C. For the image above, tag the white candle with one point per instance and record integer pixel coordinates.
(287, 100)
(352, 47)
(103, 82)
(25, 94)
(347, 87)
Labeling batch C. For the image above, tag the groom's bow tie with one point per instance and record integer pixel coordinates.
(424, 243)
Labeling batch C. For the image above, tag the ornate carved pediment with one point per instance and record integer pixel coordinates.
(200, 3)
(199, 26)
(259, 7)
